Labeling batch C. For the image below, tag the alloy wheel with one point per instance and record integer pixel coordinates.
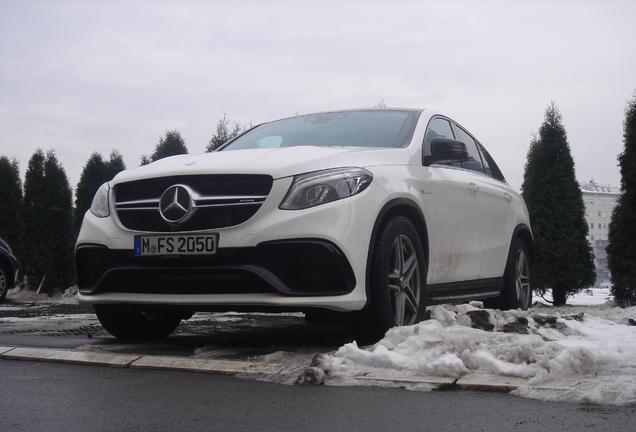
(404, 281)
(522, 279)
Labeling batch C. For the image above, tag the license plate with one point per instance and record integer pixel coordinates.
(176, 244)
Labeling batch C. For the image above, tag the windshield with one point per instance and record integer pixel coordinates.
(372, 128)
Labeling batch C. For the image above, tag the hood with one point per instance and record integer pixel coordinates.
(277, 162)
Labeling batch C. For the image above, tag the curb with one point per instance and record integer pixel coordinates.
(479, 382)
(136, 361)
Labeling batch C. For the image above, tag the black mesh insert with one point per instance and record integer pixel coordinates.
(205, 218)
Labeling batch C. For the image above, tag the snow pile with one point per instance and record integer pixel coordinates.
(541, 345)
(22, 294)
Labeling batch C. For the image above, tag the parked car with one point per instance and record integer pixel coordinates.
(369, 215)
(9, 268)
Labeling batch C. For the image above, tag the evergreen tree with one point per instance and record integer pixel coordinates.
(563, 258)
(48, 212)
(10, 202)
(169, 145)
(92, 177)
(145, 160)
(224, 133)
(621, 249)
(35, 219)
(114, 165)
(95, 173)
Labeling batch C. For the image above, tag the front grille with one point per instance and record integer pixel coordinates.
(219, 201)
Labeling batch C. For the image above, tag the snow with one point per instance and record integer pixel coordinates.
(588, 344)
(22, 294)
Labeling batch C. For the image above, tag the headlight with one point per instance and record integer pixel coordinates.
(321, 187)
(99, 207)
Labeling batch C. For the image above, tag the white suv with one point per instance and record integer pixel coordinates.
(369, 215)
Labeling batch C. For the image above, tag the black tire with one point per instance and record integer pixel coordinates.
(126, 322)
(397, 286)
(517, 290)
(5, 282)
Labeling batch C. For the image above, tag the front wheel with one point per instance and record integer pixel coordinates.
(4, 282)
(397, 287)
(517, 290)
(126, 322)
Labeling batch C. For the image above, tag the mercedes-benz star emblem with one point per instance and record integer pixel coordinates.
(175, 204)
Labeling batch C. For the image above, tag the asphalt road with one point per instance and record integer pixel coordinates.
(37, 396)
(58, 397)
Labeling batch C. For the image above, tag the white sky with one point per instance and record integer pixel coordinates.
(83, 76)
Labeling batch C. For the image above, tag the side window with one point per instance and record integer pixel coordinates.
(438, 127)
(484, 160)
(489, 164)
(474, 162)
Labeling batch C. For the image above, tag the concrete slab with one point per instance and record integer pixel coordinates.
(416, 379)
(560, 384)
(75, 357)
(218, 366)
(4, 349)
(482, 382)
(492, 383)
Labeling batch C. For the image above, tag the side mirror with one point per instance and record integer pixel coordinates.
(446, 150)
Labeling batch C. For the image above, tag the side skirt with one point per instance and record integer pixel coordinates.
(455, 292)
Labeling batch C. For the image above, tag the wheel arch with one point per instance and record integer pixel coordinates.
(397, 207)
(524, 233)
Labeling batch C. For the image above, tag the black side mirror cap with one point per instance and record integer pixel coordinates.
(446, 150)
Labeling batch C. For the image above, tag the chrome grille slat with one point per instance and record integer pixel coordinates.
(138, 205)
(229, 200)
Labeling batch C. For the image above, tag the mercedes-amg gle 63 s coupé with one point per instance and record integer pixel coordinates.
(365, 215)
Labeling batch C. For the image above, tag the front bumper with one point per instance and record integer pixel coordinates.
(314, 258)
(302, 267)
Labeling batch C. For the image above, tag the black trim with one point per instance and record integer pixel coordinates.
(464, 291)
(306, 267)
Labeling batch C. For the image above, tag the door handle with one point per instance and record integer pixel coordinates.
(473, 187)
(507, 197)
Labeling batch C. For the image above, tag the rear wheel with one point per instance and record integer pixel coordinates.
(126, 322)
(517, 290)
(397, 287)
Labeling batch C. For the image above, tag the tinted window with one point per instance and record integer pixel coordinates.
(373, 128)
(490, 166)
(474, 162)
(438, 127)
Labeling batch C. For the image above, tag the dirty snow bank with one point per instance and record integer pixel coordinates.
(22, 294)
(592, 343)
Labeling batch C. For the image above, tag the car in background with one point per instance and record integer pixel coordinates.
(9, 268)
(363, 215)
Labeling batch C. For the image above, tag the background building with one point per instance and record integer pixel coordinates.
(599, 203)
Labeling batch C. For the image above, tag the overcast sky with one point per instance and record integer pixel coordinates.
(84, 76)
